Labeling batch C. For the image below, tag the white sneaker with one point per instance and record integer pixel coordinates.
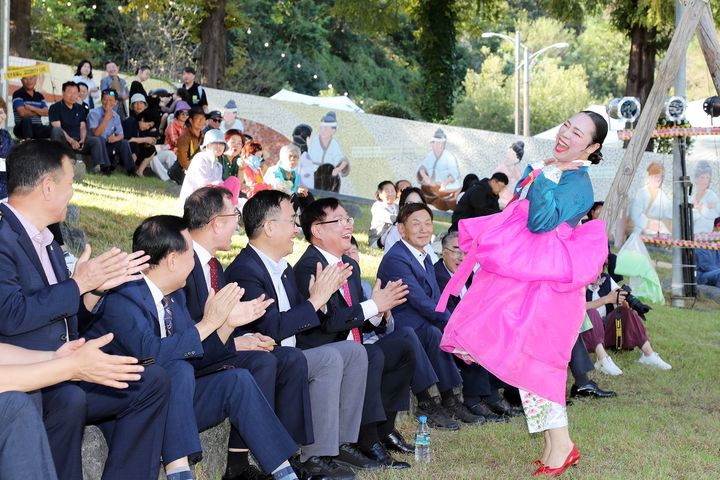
(608, 367)
(654, 360)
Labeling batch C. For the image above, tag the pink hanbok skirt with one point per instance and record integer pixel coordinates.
(522, 314)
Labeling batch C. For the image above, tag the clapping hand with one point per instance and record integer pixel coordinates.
(327, 281)
(91, 364)
(394, 293)
(219, 305)
(249, 311)
(107, 270)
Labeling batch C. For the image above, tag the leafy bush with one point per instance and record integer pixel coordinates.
(390, 109)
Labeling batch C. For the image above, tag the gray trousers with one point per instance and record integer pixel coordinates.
(24, 452)
(337, 373)
(95, 146)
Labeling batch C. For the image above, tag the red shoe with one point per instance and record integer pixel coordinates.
(537, 462)
(540, 471)
(572, 459)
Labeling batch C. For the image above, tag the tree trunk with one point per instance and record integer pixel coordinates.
(641, 68)
(213, 48)
(20, 27)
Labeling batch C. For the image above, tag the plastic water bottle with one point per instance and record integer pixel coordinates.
(422, 441)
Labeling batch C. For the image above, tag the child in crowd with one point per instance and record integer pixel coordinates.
(384, 213)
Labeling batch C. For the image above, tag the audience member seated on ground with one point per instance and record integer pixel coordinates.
(113, 81)
(383, 214)
(83, 74)
(283, 175)
(205, 168)
(193, 92)
(141, 132)
(142, 74)
(105, 123)
(84, 99)
(28, 109)
(480, 387)
(25, 452)
(469, 180)
(252, 172)
(708, 264)
(510, 166)
(407, 260)
(616, 325)
(231, 160)
(6, 141)
(213, 120)
(138, 103)
(336, 371)
(67, 119)
(408, 196)
(281, 372)
(391, 359)
(439, 174)
(44, 308)
(651, 209)
(178, 126)
(188, 144)
(706, 204)
(229, 118)
(480, 200)
(594, 212)
(150, 319)
(163, 100)
(401, 185)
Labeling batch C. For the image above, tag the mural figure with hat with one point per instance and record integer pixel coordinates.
(229, 118)
(510, 166)
(651, 208)
(706, 206)
(329, 161)
(439, 174)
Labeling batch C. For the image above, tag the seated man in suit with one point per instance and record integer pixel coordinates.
(23, 370)
(480, 387)
(39, 308)
(407, 260)
(391, 360)
(336, 371)
(150, 320)
(280, 372)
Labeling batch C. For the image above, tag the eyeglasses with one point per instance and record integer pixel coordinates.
(343, 222)
(456, 252)
(237, 214)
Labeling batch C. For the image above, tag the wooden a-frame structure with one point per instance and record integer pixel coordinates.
(696, 17)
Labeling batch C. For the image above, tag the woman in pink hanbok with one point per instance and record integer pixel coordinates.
(522, 314)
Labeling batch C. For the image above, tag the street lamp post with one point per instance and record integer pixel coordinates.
(527, 63)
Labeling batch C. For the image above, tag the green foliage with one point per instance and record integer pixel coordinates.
(488, 100)
(390, 109)
(58, 31)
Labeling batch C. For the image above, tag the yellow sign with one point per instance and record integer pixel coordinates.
(29, 71)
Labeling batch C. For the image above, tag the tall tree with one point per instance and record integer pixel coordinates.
(20, 27)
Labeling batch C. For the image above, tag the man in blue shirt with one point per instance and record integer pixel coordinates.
(105, 123)
(28, 108)
(67, 119)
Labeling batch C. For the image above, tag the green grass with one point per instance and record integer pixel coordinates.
(662, 424)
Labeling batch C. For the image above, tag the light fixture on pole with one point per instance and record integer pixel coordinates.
(527, 63)
(515, 41)
(625, 108)
(675, 108)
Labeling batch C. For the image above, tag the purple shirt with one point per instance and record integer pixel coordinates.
(40, 240)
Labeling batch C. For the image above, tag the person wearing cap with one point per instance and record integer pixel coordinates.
(194, 93)
(68, 122)
(205, 168)
(115, 82)
(229, 118)
(178, 126)
(138, 103)
(141, 132)
(214, 119)
(651, 208)
(328, 158)
(104, 122)
(439, 174)
(29, 107)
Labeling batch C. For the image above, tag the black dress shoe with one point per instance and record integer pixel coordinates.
(590, 389)
(437, 416)
(397, 443)
(484, 411)
(351, 456)
(503, 407)
(320, 468)
(458, 411)
(249, 472)
(378, 453)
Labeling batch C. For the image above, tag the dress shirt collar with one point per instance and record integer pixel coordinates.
(331, 259)
(275, 269)
(419, 255)
(155, 291)
(203, 255)
(42, 238)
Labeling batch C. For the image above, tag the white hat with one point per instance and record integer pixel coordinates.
(138, 97)
(214, 136)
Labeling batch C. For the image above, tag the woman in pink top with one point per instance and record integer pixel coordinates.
(523, 311)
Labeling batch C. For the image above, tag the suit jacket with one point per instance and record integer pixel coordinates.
(129, 313)
(33, 313)
(196, 294)
(339, 318)
(443, 277)
(423, 289)
(478, 201)
(250, 273)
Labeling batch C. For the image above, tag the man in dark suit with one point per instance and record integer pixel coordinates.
(391, 360)
(481, 199)
(408, 261)
(39, 308)
(280, 372)
(480, 387)
(149, 319)
(336, 371)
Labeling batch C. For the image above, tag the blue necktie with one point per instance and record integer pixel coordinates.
(168, 315)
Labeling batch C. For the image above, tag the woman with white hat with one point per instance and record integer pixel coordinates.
(205, 168)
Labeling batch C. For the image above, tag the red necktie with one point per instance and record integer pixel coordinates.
(348, 299)
(214, 274)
